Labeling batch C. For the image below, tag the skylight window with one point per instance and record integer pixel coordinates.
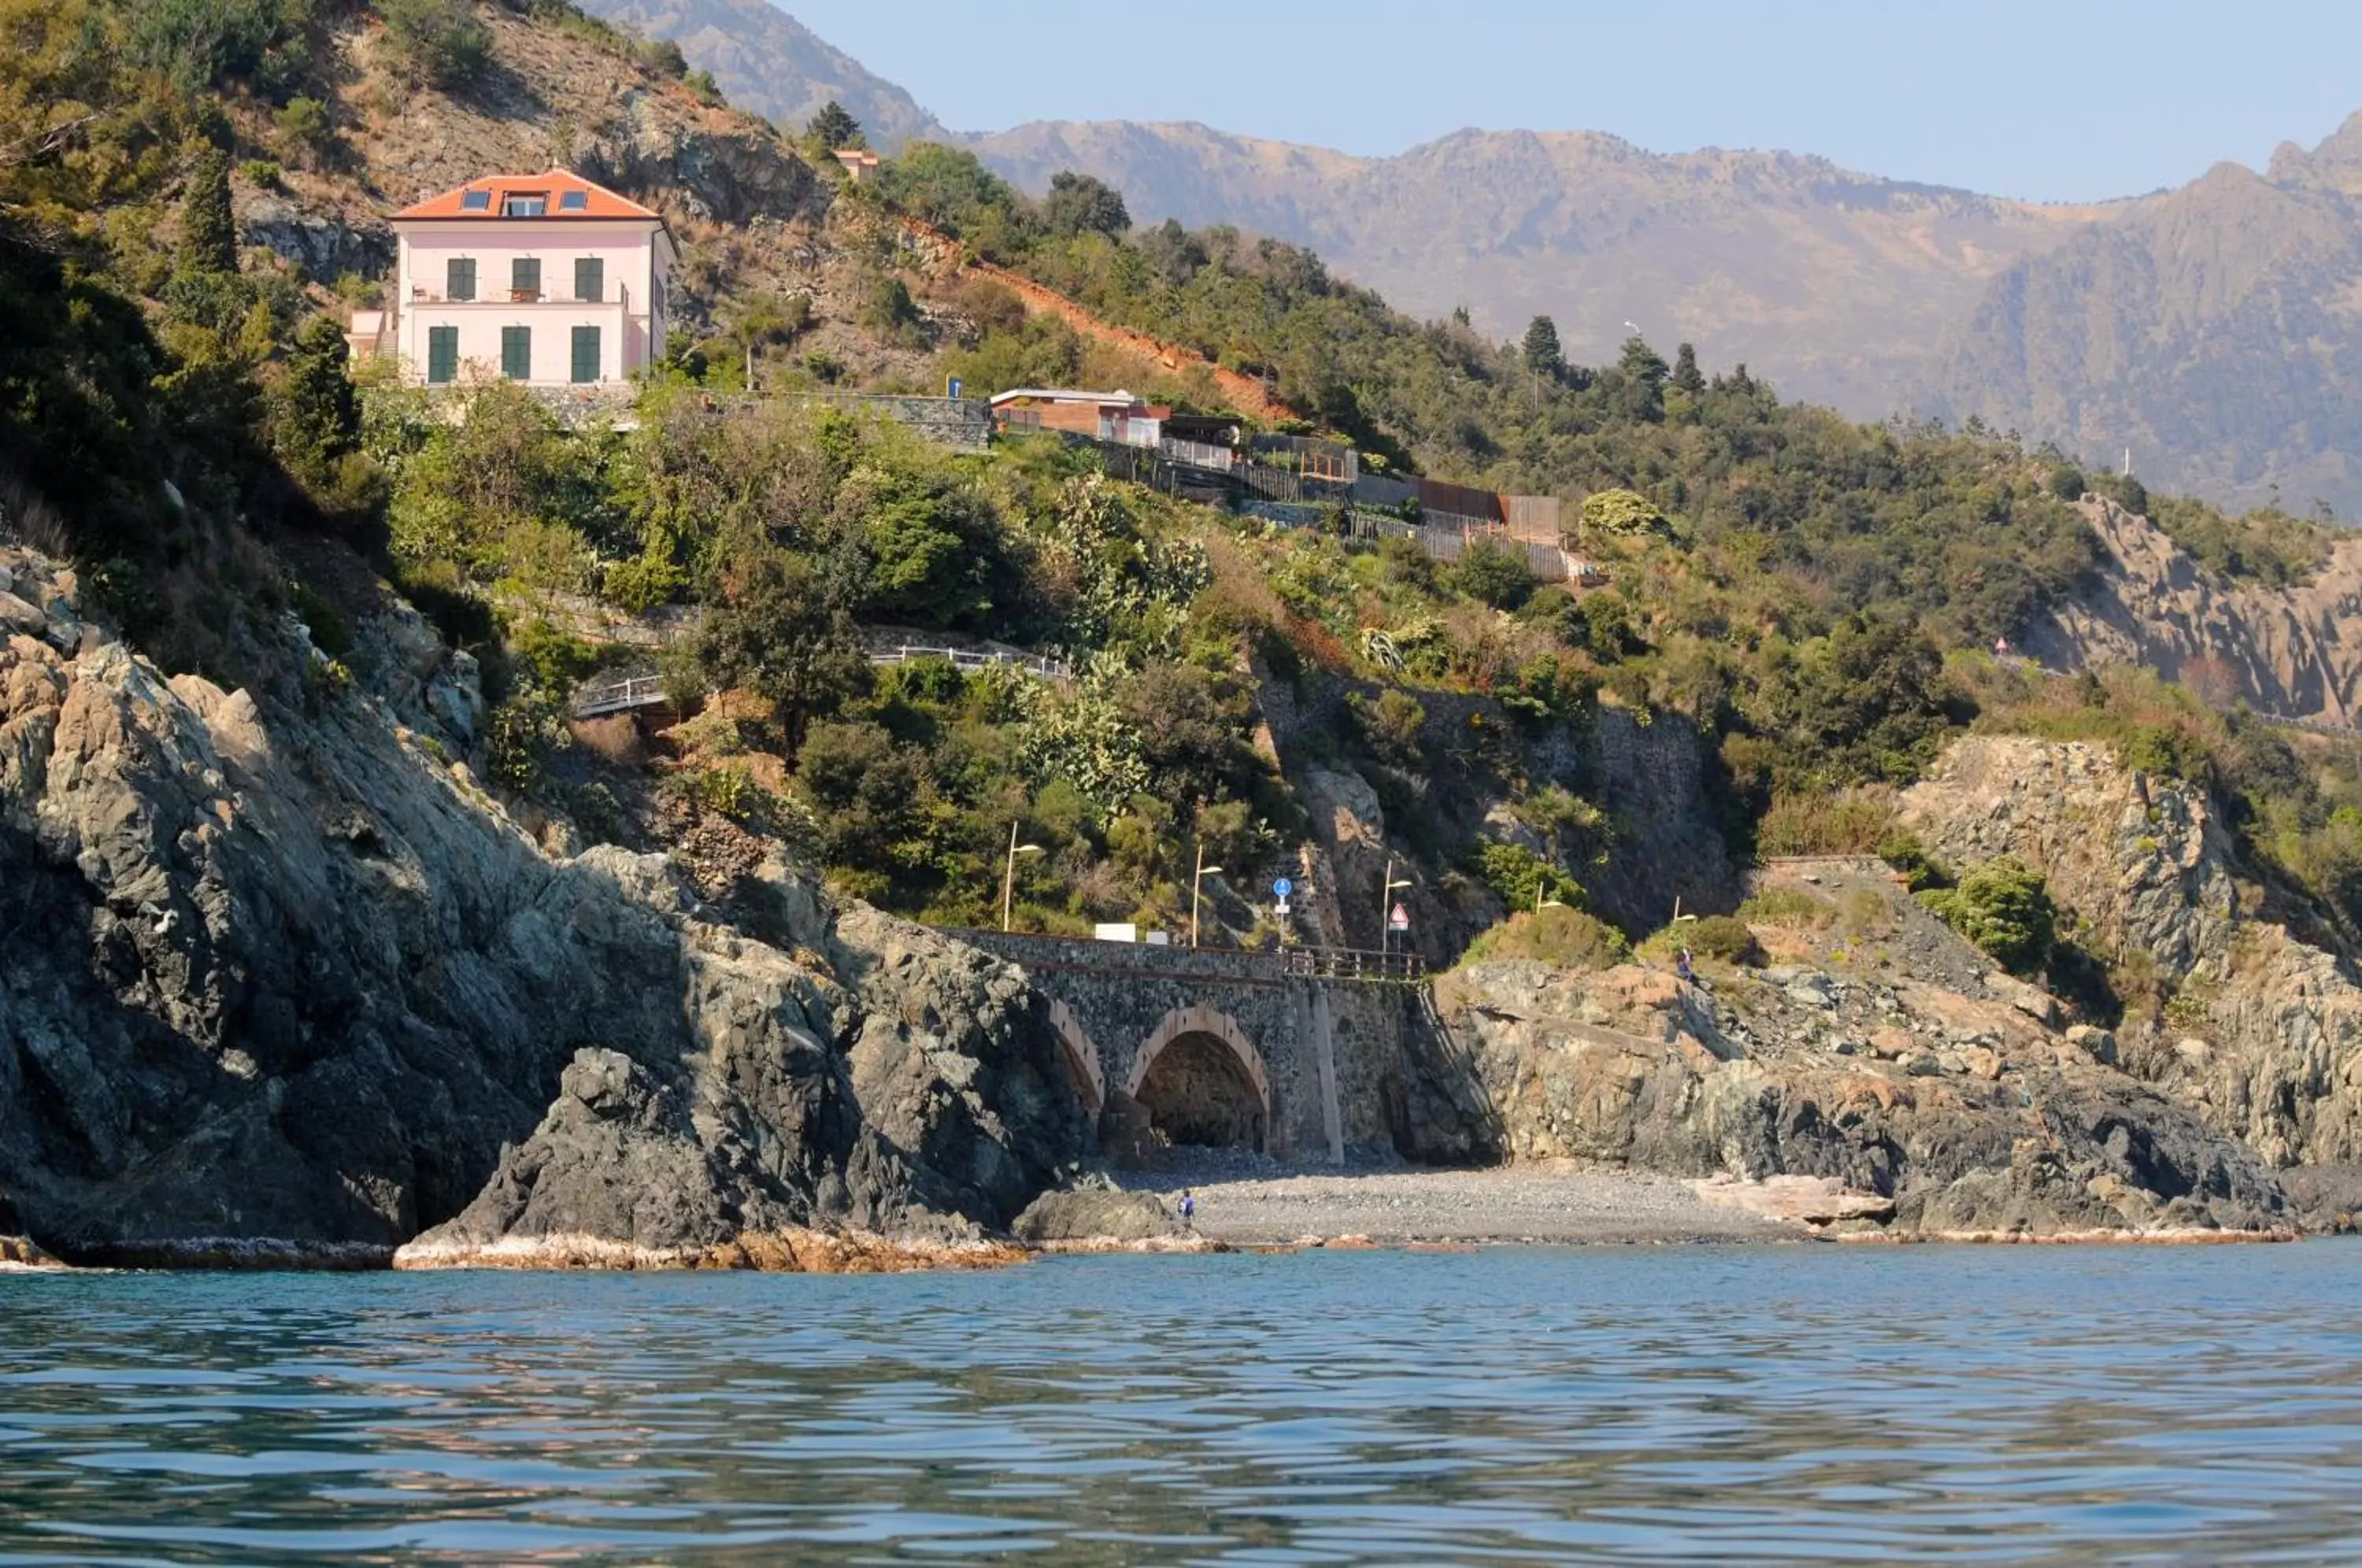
(476, 202)
(525, 203)
(574, 202)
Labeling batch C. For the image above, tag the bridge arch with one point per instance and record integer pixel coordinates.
(1202, 1080)
(1081, 1056)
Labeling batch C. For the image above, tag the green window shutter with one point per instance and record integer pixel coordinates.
(442, 354)
(589, 279)
(517, 353)
(459, 279)
(586, 353)
(525, 274)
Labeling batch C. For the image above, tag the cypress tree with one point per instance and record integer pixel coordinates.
(319, 416)
(1542, 347)
(208, 234)
(1687, 377)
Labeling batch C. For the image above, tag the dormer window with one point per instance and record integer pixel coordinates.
(525, 203)
(476, 202)
(574, 202)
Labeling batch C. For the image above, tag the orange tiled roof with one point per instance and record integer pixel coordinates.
(598, 202)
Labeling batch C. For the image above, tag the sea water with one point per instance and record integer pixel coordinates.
(2170, 1405)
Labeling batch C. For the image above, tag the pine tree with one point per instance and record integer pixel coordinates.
(1542, 347)
(1644, 370)
(1687, 377)
(208, 236)
(834, 127)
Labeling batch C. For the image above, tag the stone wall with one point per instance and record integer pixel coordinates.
(1333, 1060)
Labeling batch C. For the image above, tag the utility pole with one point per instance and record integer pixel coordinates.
(1386, 886)
(1196, 890)
(1008, 875)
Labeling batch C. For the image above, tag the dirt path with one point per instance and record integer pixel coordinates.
(1245, 393)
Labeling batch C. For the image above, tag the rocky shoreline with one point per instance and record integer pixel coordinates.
(1276, 1207)
(287, 989)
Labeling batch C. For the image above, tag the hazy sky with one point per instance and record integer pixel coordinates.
(2060, 100)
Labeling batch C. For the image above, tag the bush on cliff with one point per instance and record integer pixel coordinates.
(1566, 938)
(1717, 936)
(2004, 906)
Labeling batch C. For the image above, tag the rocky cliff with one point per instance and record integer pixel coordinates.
(1954, 1103)
(283, 984)
(2295, 652)
(2262, 1033)
(557, 96)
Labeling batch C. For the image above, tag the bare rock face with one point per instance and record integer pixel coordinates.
(1087, 1214)
(2263, 1040)
(282, 984)
(2294, 652)
(1935, 1113)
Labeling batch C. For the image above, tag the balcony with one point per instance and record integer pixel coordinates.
(421, 295)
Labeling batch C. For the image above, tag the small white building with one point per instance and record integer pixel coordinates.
(545, 279)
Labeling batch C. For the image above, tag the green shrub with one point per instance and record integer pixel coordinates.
(1903, 851)
(439, 40)
(305, 128)
(1719, 936)
(1494, 572)
(1621, 513)
(260, 172)
(1567, 938)
(2005, 908)
(1523, 879)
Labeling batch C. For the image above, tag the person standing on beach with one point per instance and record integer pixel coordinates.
(1681, 964)
(1188, 1208)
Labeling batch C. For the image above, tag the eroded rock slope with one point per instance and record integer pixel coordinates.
(2294, 652)
(2263, 1038)
(281, 982)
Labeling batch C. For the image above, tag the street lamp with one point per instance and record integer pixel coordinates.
(1198, 889)
(1541, 903)
(1386, 886)
(1008, 875)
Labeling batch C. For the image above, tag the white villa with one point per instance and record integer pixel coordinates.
(544, 279)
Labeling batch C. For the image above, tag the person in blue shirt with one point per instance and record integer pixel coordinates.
(1188, 1208)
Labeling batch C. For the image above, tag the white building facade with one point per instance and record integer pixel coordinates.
(545, 279)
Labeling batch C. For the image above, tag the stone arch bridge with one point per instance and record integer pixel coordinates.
(1266, 1051)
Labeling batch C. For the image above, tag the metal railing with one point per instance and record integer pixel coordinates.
(643, 688)
(619, 693)
(1349, 964)
(1039, 665)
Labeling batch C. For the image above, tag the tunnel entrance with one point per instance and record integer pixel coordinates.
(1198, 1094)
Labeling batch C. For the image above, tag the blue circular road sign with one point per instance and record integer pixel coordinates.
(1283, 886)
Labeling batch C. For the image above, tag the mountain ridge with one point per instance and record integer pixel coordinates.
(765, 61)
(2216, 331)
(1831, 277)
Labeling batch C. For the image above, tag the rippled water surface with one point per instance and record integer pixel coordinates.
(1998, 1404)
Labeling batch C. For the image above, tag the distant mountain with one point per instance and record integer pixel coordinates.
(765, 61)
(1834, 284)
(2216, 331)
